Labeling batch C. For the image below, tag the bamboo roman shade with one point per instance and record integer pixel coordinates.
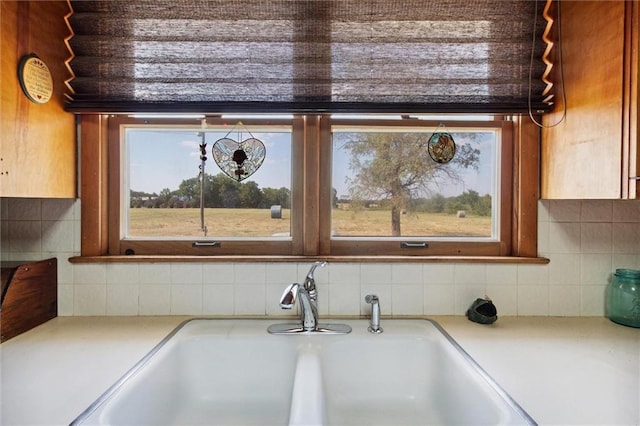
(307, 56)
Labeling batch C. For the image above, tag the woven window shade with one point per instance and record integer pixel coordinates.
(307, 56)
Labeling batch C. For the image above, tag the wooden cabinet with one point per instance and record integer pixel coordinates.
(593, 152)
(29, 295)
(37, 141)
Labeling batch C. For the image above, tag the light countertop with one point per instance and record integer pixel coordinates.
(562, 371)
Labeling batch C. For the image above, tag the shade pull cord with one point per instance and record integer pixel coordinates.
(533, 44)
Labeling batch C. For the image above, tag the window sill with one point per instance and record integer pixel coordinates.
(333, 259)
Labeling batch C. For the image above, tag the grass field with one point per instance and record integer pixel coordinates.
(258, 223)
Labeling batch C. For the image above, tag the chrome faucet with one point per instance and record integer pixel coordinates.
(307, 294)
(374, 326)
(308, 307)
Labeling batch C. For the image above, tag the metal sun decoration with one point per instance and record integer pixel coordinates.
(239, 159)
(441, 146)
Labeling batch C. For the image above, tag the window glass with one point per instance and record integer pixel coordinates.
(163, 174)
(387, 185)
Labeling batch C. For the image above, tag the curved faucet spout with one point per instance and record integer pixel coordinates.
(289, 296)
(308, 309)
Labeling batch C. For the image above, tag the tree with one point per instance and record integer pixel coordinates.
(229, 191)
(189, 192)
(163, 198)
(250, 195)
(397, 167)
(280, 197)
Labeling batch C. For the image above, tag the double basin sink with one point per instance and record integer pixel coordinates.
(232, 372)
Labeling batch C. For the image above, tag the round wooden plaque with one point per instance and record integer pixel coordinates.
(35, 79)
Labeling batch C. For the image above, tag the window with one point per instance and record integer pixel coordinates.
(390, 196)
(339, 186)
(169, 172)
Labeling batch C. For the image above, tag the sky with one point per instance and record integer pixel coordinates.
(161, 159)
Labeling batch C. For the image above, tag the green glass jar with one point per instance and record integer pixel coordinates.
(623, 298)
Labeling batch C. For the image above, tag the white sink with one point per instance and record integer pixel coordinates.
(232, 372)
(410, 376)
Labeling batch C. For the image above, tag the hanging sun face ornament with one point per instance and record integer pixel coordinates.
(239, 160)
(441, 146)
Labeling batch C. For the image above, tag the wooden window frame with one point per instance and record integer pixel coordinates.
(100, 194)
(440, 247)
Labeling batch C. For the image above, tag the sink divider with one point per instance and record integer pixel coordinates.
(308, 406)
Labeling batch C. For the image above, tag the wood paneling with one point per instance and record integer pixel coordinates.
(631, 140)
(37, 142)
(584, 156)
(93, 187)
(526, 175)
(29, 296)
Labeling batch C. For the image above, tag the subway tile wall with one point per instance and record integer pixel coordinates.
(584, 240)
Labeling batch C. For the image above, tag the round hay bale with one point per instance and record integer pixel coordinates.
(276, 212)
(461, 213)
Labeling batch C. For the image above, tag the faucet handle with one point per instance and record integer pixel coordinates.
(309, 282)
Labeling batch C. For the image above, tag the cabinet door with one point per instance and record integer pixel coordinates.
(588, 154)
(633, 55)
(37, 141)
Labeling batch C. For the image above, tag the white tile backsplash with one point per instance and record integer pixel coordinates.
(595, 237)
(219, 300)
(186, 273)
(626, 237)
(90, 300)
(344, 298)
(20, 209)
(347, 273)
(410, 273)
(626, 211)
(90, 273)
(437, 273)
(250, 273)
(155, 299)
(564, 270)
(375, 273)
(155, 273)
(466, 294)
(123, 273)
(249, 299)
(565, 211)
(564, 301)
(501, 275)
(595, 269)
(584, 240)
(470, 273)
(592, 300)
(218, 273)
(596, 211)
(439, 299)
(25, 236)
(122, 299)
(407, 299)
(564, 237)
(505, 298)
(186, 299)
(58, 236)
(59, 210)
(533, 300)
